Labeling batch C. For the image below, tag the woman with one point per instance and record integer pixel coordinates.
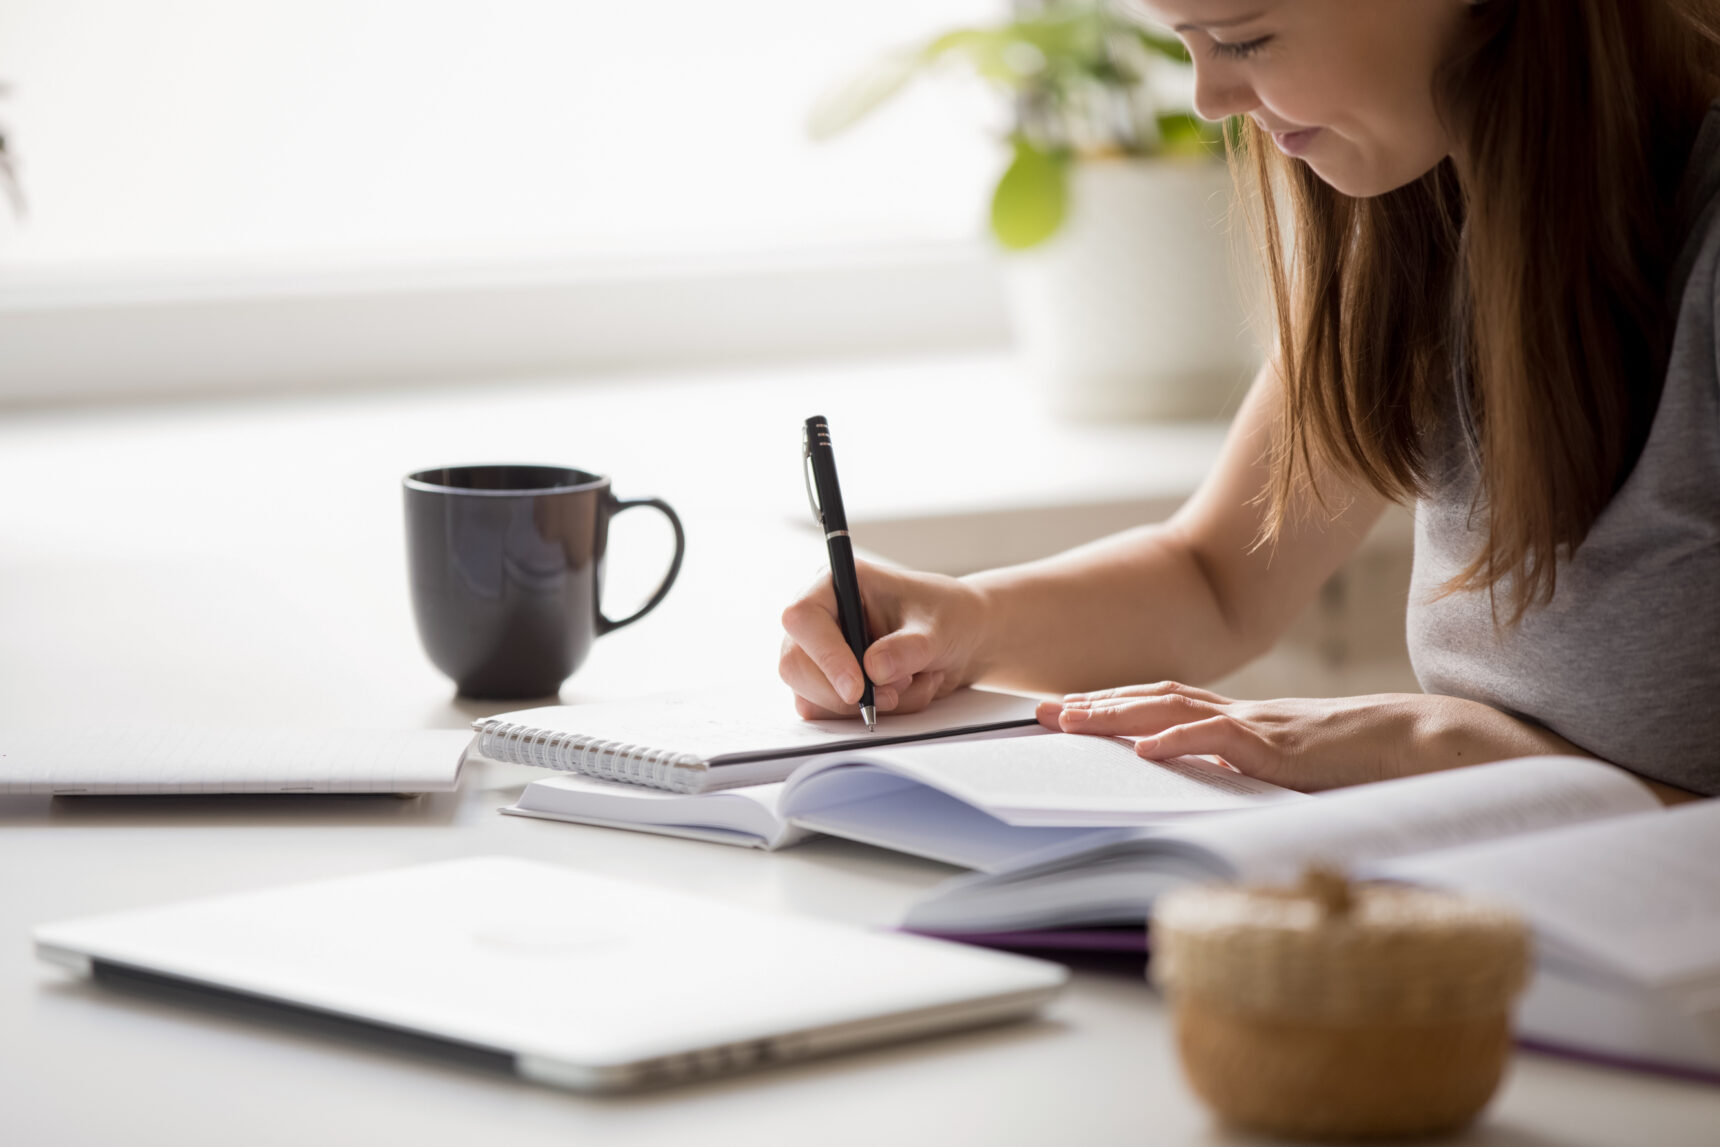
(1495, 259)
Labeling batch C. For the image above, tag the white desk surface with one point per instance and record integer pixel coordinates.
(242, 563)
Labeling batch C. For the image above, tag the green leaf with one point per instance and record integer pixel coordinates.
(1075, 36)
(996, 54)
(1167, 46)
(1059, 43)
(1051, 58)
(1032, 197)
(861, 96)
(1184, 134)
(969, 41)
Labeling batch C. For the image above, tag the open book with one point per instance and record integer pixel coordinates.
(1626, 914)
(1116, 882)
(1624, 895)
(697, 742)
(978, 803)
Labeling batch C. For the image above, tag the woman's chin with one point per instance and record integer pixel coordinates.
(1364, 180)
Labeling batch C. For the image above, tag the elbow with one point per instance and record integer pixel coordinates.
(1239, 630)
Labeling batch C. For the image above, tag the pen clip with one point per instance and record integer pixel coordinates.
(806, 473)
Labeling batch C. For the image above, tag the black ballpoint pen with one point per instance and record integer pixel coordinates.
(825, 495)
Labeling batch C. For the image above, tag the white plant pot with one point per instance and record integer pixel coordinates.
(1138, 307)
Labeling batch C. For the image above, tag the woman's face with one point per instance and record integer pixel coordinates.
(1346, 86)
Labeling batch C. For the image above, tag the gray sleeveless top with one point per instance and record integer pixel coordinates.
(1624, 662)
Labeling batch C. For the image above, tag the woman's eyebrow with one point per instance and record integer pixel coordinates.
(1205, 24)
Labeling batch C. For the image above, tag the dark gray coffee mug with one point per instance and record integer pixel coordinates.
(507, 572)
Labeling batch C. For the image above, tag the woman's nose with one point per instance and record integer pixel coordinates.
(1221, 92)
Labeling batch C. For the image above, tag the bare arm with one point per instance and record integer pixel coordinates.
(1190, 599)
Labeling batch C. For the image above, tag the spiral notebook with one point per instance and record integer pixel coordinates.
(697, 742)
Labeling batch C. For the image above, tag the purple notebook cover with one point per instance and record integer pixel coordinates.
(1608, 1059)
(1124, 940)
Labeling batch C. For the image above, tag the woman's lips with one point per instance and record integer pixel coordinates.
(1294, 143)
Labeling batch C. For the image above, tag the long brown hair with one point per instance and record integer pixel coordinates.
(1533, 263)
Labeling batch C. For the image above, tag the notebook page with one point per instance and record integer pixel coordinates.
(183, 759)
(1418, 814)
(1057, 779)
(1640, 894)
(720, 723)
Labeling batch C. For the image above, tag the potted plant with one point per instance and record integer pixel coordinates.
(1112, 209)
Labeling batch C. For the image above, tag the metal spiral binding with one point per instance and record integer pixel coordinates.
(592, 756)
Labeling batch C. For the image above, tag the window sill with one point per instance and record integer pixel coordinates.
(90, 336)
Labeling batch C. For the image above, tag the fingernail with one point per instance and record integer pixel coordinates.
(1074, 716)
(1146, 746)
(849, 687)
(882, 670)
(885, 698)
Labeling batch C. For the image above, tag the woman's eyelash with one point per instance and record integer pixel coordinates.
(1239, 51)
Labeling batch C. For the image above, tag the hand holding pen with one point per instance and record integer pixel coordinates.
(825, 494)
(927, 633)
(911, 639)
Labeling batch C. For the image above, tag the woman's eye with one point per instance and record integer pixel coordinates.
(1239, 51)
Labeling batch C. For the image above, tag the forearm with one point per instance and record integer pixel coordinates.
(1452, 732)
(1133, 607)
(1312, 743)
(1188, 600)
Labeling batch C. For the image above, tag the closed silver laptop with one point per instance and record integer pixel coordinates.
(567, 978)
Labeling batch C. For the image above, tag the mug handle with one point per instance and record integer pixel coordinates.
(604, 625)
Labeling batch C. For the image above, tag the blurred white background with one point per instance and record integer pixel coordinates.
(231, 195)
(210, 132)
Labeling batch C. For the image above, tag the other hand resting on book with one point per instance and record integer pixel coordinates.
(1301, 742)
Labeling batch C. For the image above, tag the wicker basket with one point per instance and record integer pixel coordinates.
(1340, 1010)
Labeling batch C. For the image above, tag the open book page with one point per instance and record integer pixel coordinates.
(1636, 895)
(1418, 814)
(718, 725)
(749, 816)
(1049, 780)
(1116, 881)
(880, 808)
(983, 802)
(161, 759)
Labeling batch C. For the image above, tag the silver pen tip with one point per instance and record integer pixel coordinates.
(869, 714)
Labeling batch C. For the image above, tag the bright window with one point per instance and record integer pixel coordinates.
(286, 132)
